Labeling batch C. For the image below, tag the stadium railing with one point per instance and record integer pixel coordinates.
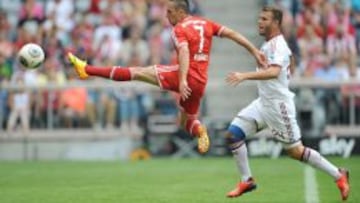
(105, 85)
(33, 143)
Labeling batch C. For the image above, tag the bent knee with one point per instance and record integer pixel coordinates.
(296, 152)
(146, 74)
(234, 136)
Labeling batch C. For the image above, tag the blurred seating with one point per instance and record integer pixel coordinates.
(105, 33)
(326, 37)
(327, 34)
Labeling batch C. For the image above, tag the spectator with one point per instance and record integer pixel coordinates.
(106, 114)
(46, 100)
(138, 25)
(116, 10)
(59, 13)
(339, 17)
(348, 91)
(329, 99)
(107, 49)
(6, 47)
(109, 33)
(82, 36)
(311, 49)
(31, 15)
(4, 24)
(158, 44)
(19, 102)
(54, 49)
(5, 75)
(356, 22)
(306, 18)
(288, 30)
(157, 11)
(31, 10)
(72, 104)
(5, 68)
(101, 107)
(82, 39)
(27, 33)
(135, 45)
(128, 105)
(3, 105)
(355, 4)
(341, 48)
(139, 18)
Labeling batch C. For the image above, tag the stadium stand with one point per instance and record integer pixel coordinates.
(325, 39)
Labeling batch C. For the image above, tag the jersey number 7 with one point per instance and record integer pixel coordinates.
(201, 34)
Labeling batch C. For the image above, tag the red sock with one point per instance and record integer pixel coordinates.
(115, 73)
(192, 126)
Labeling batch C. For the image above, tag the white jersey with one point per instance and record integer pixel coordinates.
(275, 108)
(278, 53)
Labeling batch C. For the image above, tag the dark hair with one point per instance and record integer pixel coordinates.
(182, 4)
(277, 13)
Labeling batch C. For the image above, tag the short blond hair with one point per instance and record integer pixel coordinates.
(277, 13)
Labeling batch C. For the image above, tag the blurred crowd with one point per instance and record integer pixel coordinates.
(323, 34)
(325, 38)
(105, 33)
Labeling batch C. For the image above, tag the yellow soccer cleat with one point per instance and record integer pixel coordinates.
(79, 66)
(203, 140)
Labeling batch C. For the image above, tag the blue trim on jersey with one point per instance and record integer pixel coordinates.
(238, 133)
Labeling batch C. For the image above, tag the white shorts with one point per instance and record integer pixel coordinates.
(279, 117)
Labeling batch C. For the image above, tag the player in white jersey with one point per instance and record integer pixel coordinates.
(274, 109)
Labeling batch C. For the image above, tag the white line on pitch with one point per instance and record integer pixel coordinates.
(311, 187)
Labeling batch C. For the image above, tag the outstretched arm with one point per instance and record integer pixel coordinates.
(272, 72)
(183, 57)
(240, 39)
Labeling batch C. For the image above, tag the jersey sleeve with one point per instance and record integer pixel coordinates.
(179, 37)
(217, 28)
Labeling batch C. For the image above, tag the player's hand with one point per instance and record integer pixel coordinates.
(235, 78)
(261, 59)
(185, 90)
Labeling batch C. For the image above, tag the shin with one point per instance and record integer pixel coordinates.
(313, 158)
(192, 125)
(236, 141)
(116, 73)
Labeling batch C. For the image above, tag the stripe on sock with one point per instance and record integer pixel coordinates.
(193, 124)
(306, 154)
(112, 73)
(236, 145)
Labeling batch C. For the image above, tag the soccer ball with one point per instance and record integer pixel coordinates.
(31, 56)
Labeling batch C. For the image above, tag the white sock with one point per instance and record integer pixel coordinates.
(241, 158)
(316, 160)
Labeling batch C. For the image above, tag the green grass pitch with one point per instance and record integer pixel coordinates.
(164, 180)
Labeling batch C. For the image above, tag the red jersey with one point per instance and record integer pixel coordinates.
(196, 33)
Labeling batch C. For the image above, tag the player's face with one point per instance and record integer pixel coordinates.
(265, 23)
(173, 14)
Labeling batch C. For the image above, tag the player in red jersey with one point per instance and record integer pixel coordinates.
(192, 37)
